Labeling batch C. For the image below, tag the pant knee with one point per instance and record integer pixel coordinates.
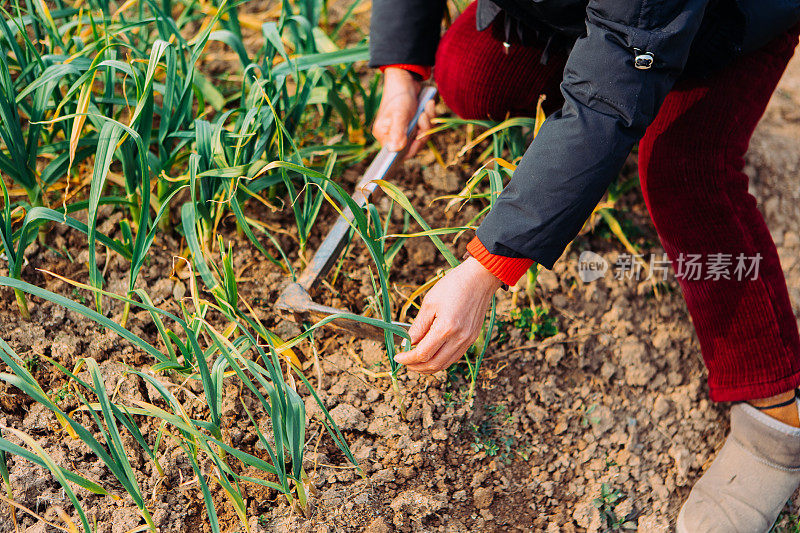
(480, 78)
(660, 176)
(681, 168)
(460, 80)
(693, 188)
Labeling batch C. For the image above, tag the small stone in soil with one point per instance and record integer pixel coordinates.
(378, 525)
(179, 290)
(633, 357)
(554, 354)
(482, 497)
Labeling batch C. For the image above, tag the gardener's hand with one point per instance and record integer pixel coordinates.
(451, 317)
(398, 106)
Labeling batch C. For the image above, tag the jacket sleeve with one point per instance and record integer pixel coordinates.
(608, 105)
(405, 32)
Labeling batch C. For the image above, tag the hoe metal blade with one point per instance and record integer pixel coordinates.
(296, 299)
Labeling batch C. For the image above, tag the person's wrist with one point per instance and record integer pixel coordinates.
(482, 274)
(400, 76)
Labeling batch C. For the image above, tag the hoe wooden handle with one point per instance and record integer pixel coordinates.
(296, 298)
(381, 168)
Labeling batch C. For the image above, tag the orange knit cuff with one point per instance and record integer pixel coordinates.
(507, 269)
(424, 72)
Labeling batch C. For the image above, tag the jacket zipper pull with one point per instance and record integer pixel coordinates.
(643, 60)
(507, 28)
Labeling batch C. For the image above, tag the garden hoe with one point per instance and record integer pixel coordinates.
(296, 298)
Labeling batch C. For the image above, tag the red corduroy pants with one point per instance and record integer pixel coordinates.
(690, 167)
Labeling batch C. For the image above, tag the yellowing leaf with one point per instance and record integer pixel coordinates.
(540, 116)
(80, 117)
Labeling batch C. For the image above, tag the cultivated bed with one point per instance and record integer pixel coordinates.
(589, 410)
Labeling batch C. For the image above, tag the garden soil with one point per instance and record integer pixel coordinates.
(615, 403)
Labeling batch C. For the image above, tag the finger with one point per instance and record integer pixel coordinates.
(426, 348)
(424, 123)
(426, 118)
(448, 354)
(397, 135)
(422, 323)
(381, 128)
(430, 108)
(415, 147)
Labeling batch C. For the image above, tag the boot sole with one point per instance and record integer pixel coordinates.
(680, 527)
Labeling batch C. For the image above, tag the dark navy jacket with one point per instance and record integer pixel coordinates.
(608, 103)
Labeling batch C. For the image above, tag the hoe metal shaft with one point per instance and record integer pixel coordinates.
(296, 298)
